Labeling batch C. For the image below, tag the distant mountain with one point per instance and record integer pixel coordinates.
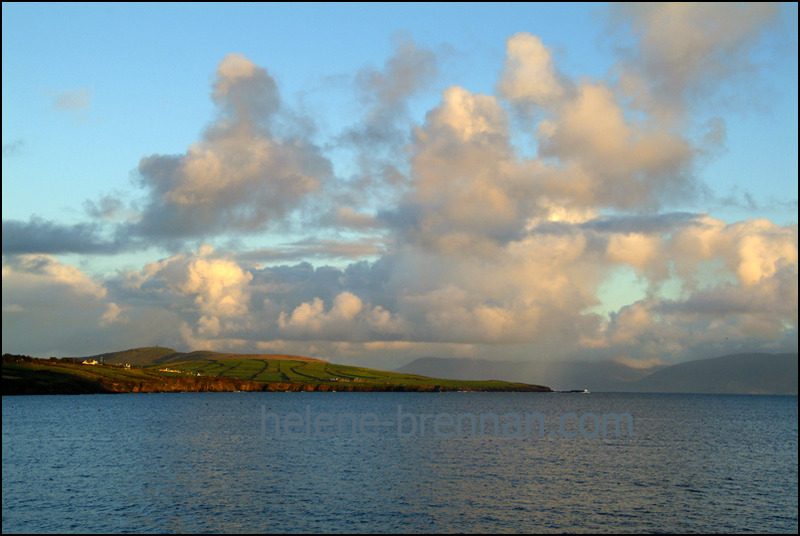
(159, 354)
(734, 374)
(560, 375)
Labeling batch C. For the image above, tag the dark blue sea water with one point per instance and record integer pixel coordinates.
(398, 462)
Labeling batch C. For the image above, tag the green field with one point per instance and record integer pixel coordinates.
(314, 372)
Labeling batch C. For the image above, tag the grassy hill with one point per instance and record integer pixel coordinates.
(159, 354)
(135, 356)
(212, 371)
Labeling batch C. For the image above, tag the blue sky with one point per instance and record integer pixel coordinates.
(692, 209)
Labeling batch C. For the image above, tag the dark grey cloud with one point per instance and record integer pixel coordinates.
(410, 69)
(107, 208)
(315, 248)
(646, 223)
(13, 148)
(71, 100)
(291, 285)
(43, 236)
(384, 126)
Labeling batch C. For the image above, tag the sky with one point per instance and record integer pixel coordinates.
(373, 183)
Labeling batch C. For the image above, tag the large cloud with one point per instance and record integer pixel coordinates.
(240, 176)
(684, 50)
(466, 182)
(626, 165)
(606, 158)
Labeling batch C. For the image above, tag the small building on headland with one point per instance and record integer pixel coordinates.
(90, 362)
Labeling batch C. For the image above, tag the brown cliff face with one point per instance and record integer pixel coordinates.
(190, 384)
(18, 386)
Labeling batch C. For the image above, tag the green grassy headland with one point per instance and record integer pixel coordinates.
(164, 370)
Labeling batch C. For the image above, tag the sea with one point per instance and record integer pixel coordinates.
(455, 462)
